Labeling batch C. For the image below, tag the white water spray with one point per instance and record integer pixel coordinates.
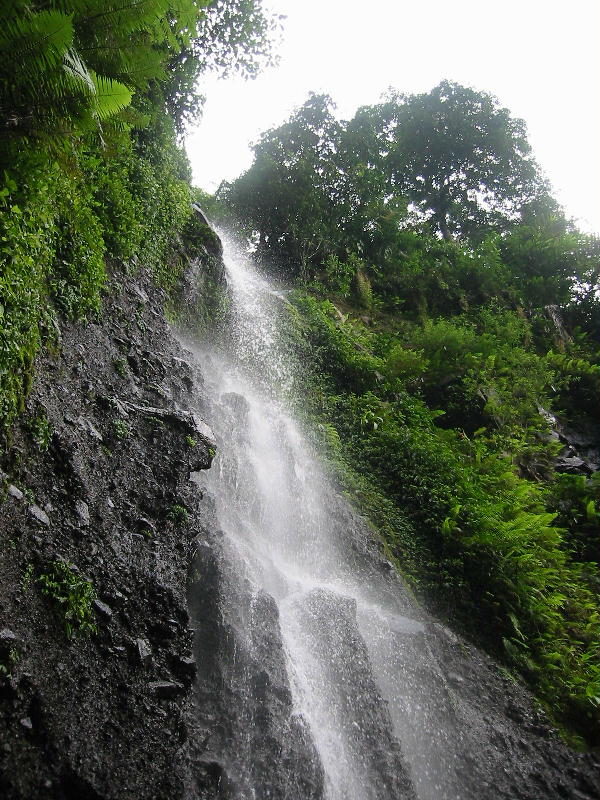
(362, 676)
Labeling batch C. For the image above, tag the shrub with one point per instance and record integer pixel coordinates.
(42, 431)
(481, 543)
(72, 597)
(178, 515)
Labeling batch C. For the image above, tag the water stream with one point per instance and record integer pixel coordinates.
(336, 691)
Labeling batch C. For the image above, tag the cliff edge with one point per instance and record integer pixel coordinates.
(97, 525)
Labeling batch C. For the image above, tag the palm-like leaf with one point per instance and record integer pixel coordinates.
(76, 68)
(110, 96)
(34, 44)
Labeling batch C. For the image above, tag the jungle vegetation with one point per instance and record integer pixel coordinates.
(449, 311)
(94, 98)
(446, 305)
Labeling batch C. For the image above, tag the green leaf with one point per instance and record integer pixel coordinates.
(35, 43)
(110, 97)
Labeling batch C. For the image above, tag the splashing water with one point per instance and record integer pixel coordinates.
(329, 665)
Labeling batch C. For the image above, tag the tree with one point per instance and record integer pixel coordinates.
(291, 194)
(313, 190)
(461, 159)
(231, 36)
(70, 65)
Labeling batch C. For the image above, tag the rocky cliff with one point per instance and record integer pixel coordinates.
(133, 657)
(98, 520)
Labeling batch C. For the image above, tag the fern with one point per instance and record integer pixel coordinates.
(75, 67)
(129, 16)
(36, 44)
(110, 97)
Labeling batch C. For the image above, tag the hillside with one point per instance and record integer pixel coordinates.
(378, 576)
(450, 338)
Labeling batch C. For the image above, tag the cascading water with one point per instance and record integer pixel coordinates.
(319, 676)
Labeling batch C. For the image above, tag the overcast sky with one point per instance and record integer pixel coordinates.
(541, 58)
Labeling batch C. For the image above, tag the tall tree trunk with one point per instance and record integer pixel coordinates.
(443, 225)
(441, 210)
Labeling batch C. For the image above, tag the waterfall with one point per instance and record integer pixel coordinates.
(319, 675)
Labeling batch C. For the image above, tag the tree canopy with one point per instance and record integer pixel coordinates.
(459, 157)
(447, 310)
(450, 164)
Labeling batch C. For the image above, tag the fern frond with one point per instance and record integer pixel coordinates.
(31, 45)
(110, 96)
(125, 17)
(128, 61)
(76, 68)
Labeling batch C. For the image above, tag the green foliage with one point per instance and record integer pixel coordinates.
(578, 382)
(231, 36)
(27, 576)
(338, 275)
(50, 247)
(9, 661)
(406, 365)
(24, 252)
(481, 370)
(363, 290)
(89, 174)
(462, 160)
(59, 224)
(53, 90)
(575, 500)
(120, 365)
(546, 264)
(78, 273)
(236, 35)
(80, 63)
(450, 162)
(121, 429)
(178, 515)
(287, 195)
(118, 209)
(72, 597)
(42, 431)
(480, 542)
(93, 96)
(335, 342)
(432, 276)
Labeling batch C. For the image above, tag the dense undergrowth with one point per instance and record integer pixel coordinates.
(442, 332)
(63, 221)
(489, 545)
(94, 96)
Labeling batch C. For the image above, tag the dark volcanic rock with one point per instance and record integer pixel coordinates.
(104, 715)
(166, 689)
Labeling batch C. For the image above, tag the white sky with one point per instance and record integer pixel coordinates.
(539, 57)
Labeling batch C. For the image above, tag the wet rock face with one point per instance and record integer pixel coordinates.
(329, 628)
(97, 476)
(242, 691)
(201, 293)
(581, 454)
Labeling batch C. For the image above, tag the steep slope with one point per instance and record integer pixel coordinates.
(319, 674)
(98, 522)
